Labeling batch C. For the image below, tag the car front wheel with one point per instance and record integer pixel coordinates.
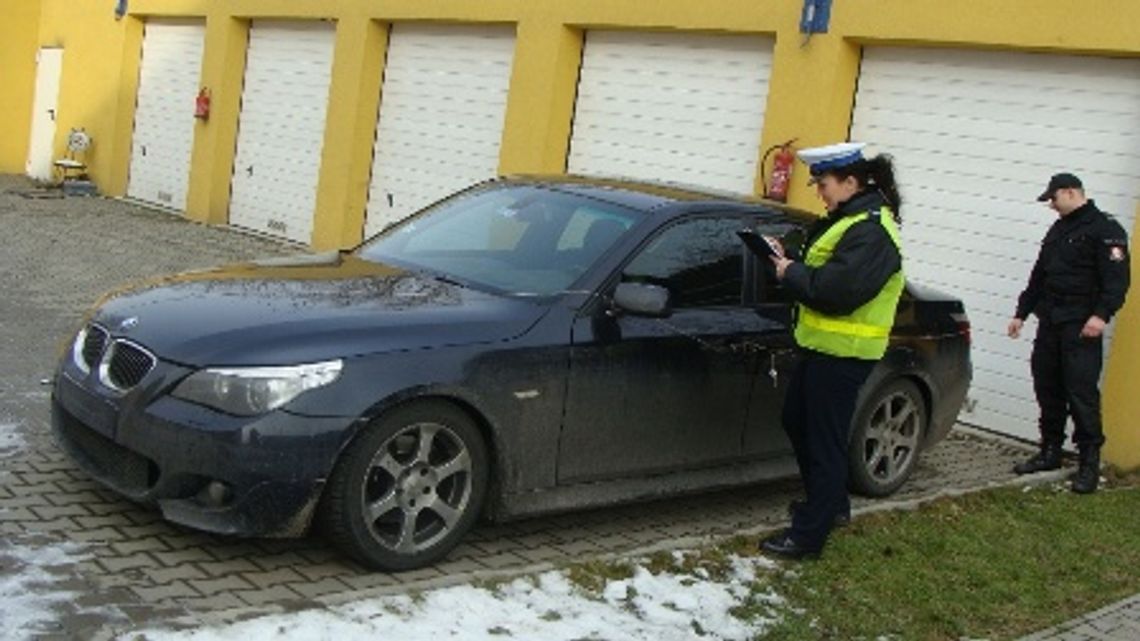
(886, 438)
(408, 488)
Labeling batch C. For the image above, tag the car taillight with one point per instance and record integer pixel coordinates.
(963, 326)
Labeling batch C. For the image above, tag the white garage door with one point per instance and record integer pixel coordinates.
(441, 115)
(282, 128)
(976, 136)
(164, 112)
(686, 108)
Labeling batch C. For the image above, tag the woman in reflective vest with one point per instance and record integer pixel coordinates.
(846, 288)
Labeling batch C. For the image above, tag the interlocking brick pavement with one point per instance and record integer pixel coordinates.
(130, 567)
(1119, 621)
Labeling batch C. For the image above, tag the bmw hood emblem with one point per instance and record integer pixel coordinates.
(129, 323)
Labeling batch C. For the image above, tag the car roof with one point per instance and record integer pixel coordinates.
(664, 198)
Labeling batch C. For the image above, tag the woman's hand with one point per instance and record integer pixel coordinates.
(781, 263)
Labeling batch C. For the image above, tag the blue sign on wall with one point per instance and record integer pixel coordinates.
(816, 15)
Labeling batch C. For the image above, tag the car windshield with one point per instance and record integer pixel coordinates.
(523, 240)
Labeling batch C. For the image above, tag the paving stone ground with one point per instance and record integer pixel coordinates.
(1117, 622)
(130, 568)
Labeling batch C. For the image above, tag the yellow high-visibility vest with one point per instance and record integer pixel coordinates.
(864, 332)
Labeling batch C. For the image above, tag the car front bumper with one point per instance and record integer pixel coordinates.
(249, 476)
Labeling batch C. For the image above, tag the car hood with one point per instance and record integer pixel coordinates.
(306, 309)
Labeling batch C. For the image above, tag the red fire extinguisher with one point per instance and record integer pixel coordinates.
(776, 187)
(202, 104)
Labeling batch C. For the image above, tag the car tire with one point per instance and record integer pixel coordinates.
(408, 488)
(886, 438)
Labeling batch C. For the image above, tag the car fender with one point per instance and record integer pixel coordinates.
(902, 362)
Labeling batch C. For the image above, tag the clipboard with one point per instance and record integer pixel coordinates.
(759, 245)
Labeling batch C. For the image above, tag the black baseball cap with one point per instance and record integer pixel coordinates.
(1060, 181)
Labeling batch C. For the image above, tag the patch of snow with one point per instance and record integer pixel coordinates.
(11, 439)
(27, 596)
(661, 607)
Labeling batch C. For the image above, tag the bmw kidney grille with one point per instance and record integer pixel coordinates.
(121, 364)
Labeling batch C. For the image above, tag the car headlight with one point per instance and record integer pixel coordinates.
(248, 391)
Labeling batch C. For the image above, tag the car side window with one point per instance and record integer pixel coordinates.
(700, 262)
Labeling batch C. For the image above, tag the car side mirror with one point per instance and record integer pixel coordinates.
(643, 299)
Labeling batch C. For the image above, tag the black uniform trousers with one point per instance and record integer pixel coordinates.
(818, 408)
(1066, 373)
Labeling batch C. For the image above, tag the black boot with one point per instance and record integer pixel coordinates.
(1049, 458)
(1088, 473)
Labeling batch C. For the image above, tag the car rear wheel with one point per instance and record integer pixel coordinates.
(886, 438)
(408, 488)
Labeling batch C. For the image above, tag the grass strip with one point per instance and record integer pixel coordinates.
(997, 564)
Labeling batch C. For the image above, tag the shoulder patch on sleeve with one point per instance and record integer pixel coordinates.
(1117, 253)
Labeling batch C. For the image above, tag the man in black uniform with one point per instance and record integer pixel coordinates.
(1077, 284)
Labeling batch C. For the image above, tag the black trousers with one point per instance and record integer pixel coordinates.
(818, 409)
(1066, 375)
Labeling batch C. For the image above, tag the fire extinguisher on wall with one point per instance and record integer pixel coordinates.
(202, 104)
(776, 186)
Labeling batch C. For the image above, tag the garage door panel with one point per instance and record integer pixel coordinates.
(281, 127)
(959, 280)
(1040, 154)
(1006, 371)
(1001, 411)
(734, 80)
(710, 149)
(442, 105)
(1103, 115)
(1057, 135)
(964, 226)
(646, 162)
(962, 175)
(975, 135)
(998, 306)
(722, 123)
(997, 253)
(441, 116)
(992, 211)
(994, 100)
(294, 125)
(428, 147)
(1074, 72)
(998, 298)
(163, 137)
(671, 106)
(610, 87)
(478, 38)
(706, 48)
(958, 255)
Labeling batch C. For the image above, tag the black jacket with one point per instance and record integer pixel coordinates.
(863, 261)
(1081, 270)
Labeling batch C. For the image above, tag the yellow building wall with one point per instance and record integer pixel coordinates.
(19, 23)
(810, 96)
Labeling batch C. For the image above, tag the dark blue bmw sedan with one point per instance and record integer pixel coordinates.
(527, 345)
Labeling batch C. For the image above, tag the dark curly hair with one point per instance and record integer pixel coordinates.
(876, 173)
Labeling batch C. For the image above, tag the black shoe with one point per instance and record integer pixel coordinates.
(1087, 478)
(841, 520)
(783, 545)
(1049, 458)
